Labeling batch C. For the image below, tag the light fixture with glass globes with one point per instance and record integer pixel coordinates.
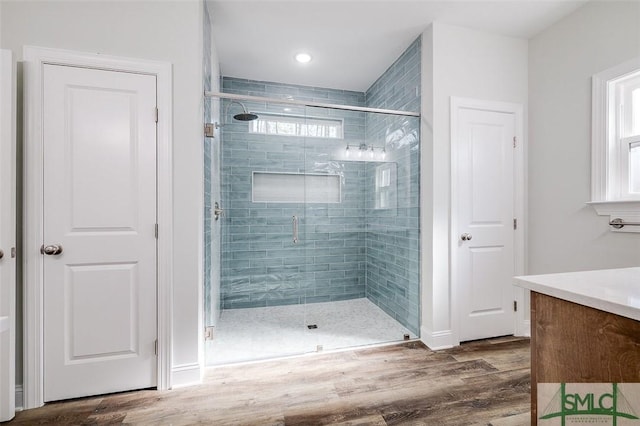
(375, 153)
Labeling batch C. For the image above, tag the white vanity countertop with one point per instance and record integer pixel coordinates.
(611, 290)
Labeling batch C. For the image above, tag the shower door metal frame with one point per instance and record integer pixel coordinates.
(249, 98)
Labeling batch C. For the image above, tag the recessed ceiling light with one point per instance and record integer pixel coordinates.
(303, 58)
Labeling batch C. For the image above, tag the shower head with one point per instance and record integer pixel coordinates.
(245, 116)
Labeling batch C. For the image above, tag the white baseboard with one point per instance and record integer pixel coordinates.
(437, 340)
(526, 328)
(19, 398)
(186, 375)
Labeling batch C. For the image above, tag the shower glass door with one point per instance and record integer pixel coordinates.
(263, 253)
(360, 229)
(334, 229)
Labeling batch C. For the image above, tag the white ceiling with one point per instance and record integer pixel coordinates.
(353, 41)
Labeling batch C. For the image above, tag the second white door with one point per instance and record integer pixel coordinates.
(99, 245)
(483, 225)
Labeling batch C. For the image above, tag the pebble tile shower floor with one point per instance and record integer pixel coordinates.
(261, 333)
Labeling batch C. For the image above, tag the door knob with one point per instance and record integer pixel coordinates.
(1, 254)
(466, 237)
(51, 250)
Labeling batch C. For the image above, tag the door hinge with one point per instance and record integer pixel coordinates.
(515, 306)
(155, 231)
(155, 347)
(514, 141)
(208, 130)
(156, 114)
(208, 333)
(515, 223)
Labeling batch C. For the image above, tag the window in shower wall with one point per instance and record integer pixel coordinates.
(288, 125)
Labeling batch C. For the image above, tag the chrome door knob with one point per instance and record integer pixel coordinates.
(466, 237)
(51, 250)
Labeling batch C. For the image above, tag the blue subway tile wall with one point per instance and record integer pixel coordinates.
(261, 265)
(392, 238)
(398, 87)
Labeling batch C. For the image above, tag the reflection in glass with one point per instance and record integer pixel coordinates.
(634, 168)
(635, 112)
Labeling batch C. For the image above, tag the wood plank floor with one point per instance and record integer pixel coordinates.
(479, 383)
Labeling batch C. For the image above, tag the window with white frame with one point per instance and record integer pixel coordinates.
(616, 135)
(624, 99)
(289, 125)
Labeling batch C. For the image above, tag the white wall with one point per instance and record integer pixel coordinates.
(471, 64)
(564, 233)
(426, 190)
(168, 31)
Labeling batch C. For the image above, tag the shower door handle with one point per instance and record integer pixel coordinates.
(295, 229)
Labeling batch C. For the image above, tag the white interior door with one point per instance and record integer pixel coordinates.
(99, 248)
(7, 237)
(483, 222)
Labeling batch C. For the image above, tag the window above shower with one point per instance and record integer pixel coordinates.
(291, 125)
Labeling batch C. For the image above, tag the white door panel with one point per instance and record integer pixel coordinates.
(485, 211)
(101, 326)
(484, 261)
(100, 321)
(7, 237)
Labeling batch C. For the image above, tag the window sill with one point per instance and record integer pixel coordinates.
(627, 210)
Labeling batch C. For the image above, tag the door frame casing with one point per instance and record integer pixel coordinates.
(34, 60)
(521, 326)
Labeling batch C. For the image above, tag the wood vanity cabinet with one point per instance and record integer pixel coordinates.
(572, 343)
(585, 328)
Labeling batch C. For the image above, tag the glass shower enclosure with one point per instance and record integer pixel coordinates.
(319, 229)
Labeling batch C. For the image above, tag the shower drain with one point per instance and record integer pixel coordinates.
(312, 326)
